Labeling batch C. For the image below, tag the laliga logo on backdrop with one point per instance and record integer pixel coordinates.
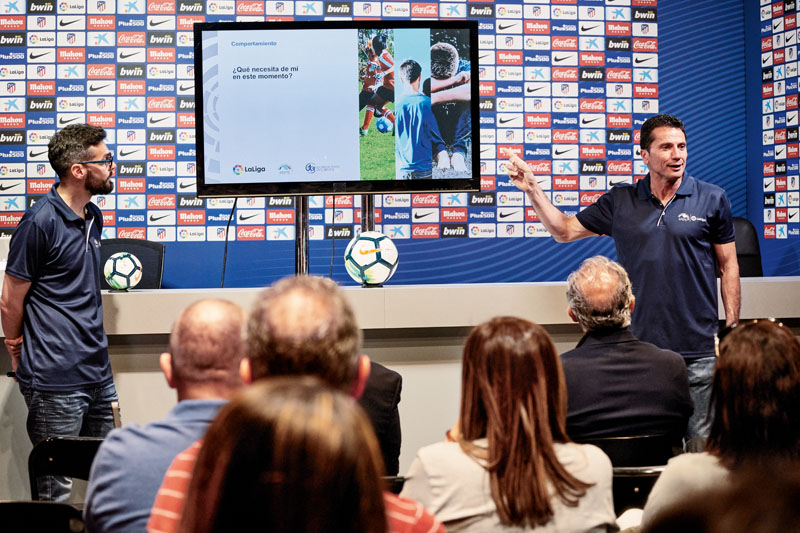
(154, 71)
(237, 170)
(153, 168)
(212, 7)
(3, 72)
(33, 137)
(3, 170)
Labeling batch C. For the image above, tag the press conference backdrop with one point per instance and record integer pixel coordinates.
(772, 113)
(565, 84)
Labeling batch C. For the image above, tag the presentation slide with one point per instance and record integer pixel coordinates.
(277, 122)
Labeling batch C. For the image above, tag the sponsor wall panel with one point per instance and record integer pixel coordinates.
(772, 113)
(564, 84)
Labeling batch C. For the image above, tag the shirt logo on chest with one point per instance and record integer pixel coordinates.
(683, 217)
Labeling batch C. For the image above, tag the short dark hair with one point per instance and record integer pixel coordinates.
(755, 398)
(303, 325)
(444, 60)
(410, 70)
(71, 145)
(379, 44)
(658, 121)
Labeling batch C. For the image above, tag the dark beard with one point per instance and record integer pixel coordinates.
(104, 187)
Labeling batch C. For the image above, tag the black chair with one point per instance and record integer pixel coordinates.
(748, 251)
(394, 484)
(61, 456)
(149, 253)
(637, 462)
(644, 450)
(38, 517)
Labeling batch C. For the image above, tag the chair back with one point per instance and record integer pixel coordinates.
(632, 485)
(36, 517)
(149, 253)
(748, 250)
(61, 456)
(394, 484)
(644, 450)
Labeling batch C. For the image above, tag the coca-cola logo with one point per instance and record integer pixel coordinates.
(588, 198)
(250, 233)
(564, 43)
(420, 200)
(99, 71)
(131, 233)
(565, 136)
(424, 10)
(425, 231)
(161, 201)
(588, 105)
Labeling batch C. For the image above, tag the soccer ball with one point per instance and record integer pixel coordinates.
(123, 271)
(384, 125)
(371, 258)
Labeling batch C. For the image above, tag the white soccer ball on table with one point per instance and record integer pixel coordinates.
(371, 258)
(123, 271)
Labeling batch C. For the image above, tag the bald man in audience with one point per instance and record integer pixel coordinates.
(301, 325)
(205, 351)
(618, 385)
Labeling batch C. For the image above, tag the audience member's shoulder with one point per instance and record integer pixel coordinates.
(408, 516)
(576, 456)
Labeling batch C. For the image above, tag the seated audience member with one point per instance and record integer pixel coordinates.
(288, 455)
(205, 349)
(508, 464)
(380, 400)
(755, 404)
(760, 498)
(618, 385)
(301, 326)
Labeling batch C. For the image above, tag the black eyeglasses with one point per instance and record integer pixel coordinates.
(725, 331)
(109, 160)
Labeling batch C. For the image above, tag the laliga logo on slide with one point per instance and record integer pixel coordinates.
(237, 170)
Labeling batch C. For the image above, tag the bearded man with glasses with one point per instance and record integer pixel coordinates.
(51, 309)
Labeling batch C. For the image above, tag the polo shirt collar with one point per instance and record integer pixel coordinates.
(61, 206)
(606, 336)
(687, 187)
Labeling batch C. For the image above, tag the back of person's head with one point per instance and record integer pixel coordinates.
(410, 71)
(658, 121)
(379, 44)
(599, 294)
(207, 344)
(762, 497)
(444, 60)
(755, 398)
(302, 325)
(513, 394)
(71, 144)
(288, 455)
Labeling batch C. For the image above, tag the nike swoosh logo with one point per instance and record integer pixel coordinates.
(541, 182)
(123, 153)
(557, 152)
(37, 154)
(247, 217)
(123, 55)
(7, 187)
(367, 252)
(185, 186)
(557, 59)
(501, 27)
(768, 184)
(637, 60)
(584, 121)
(776, 25)
(505, 120)
(153, 24)
(156, 219)
(505, 215)
(66, 23)
(612, 183)
(417, 216)
(37, 56)
(588, 28)
(185, 87)
(779, 152)
(793, 215)
(157, 120)
(534, 89)
(93, 87)
(763, 60)
(67, 121)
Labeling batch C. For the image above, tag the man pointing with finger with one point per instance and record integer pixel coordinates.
(667, 229)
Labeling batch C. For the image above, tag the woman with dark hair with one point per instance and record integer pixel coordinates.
(508, 464)
(288, 455)
(755, 405)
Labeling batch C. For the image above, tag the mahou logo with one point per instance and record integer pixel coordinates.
(130, 185)
(39, 186)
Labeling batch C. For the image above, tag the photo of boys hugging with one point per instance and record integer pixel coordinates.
(449, 90)
(417, 130)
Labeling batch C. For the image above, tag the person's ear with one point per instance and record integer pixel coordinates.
(362, 374)
(633, 304)
(572, 314)
(165, 361)
(245, 371)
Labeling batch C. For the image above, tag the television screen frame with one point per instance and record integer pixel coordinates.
(342, 186)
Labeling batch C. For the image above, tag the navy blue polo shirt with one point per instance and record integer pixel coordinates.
(64, 347)
(669, 257)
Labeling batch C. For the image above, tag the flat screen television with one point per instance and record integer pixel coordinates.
(301, 108)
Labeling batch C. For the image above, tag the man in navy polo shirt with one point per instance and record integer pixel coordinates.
(51, 309)
(667, 228)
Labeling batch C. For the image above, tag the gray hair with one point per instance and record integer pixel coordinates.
(600, 294)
